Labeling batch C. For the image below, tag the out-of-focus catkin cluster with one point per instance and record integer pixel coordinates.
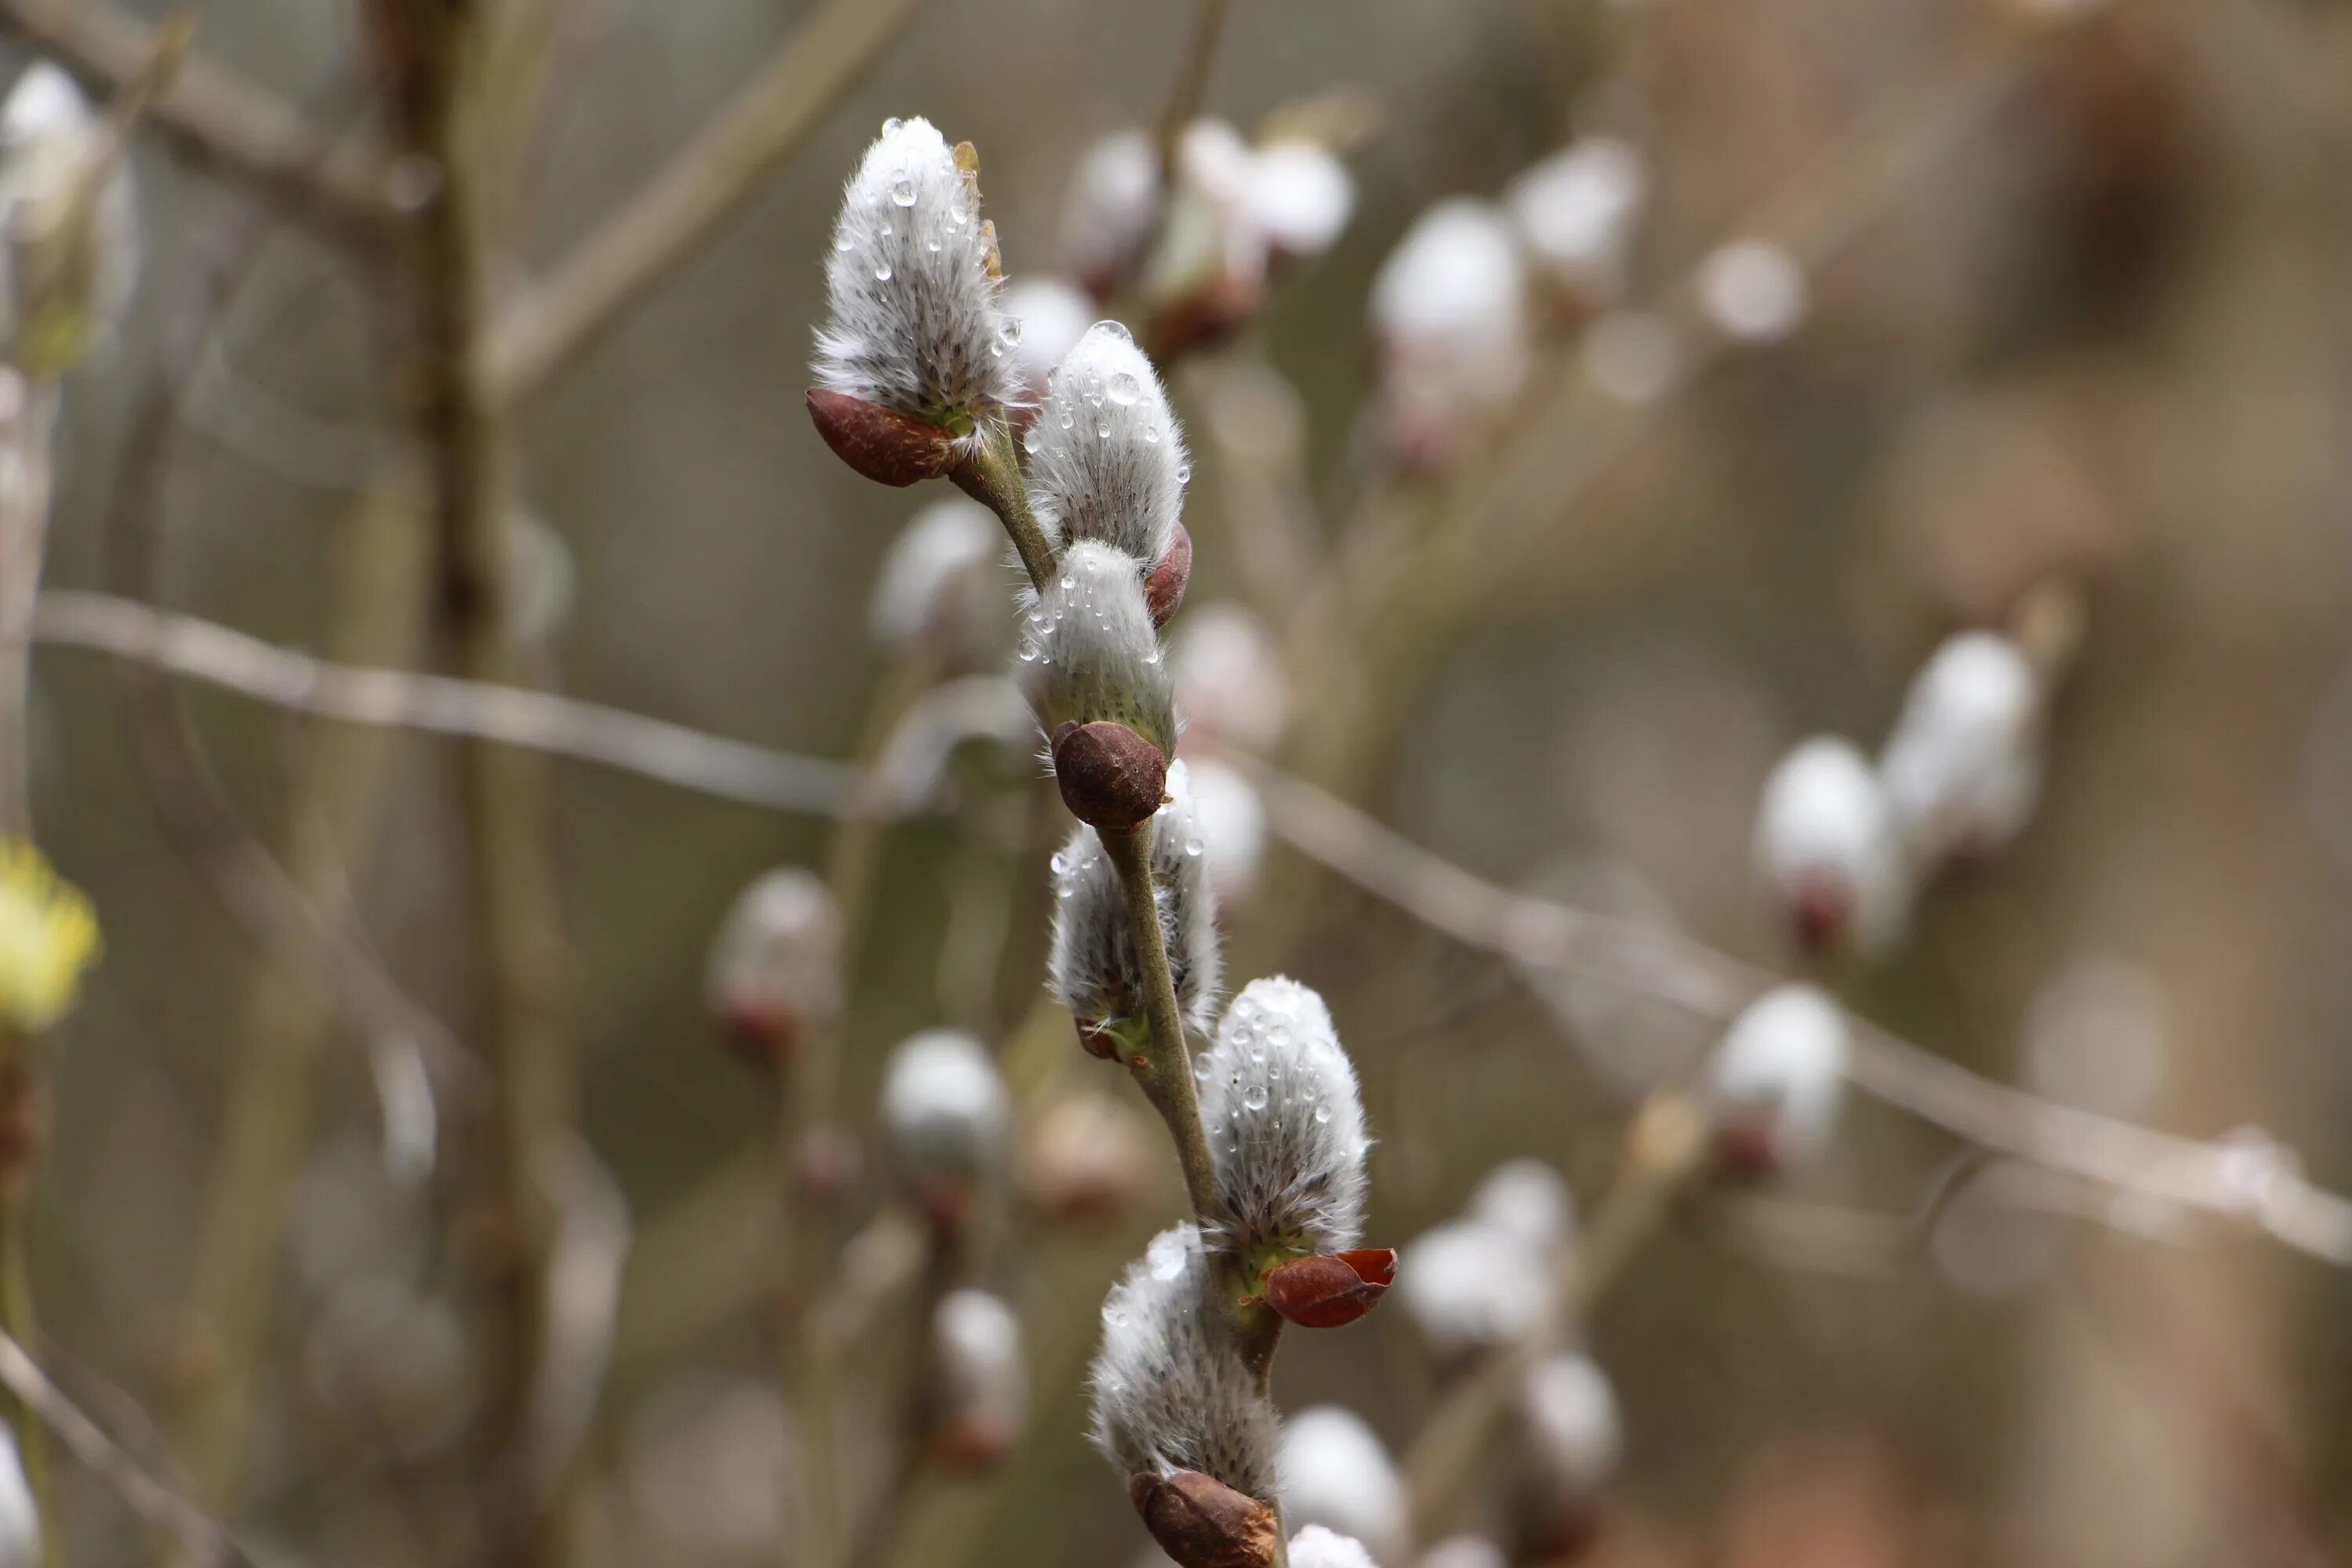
(1843, 844)
(776, 967)
(71, 223)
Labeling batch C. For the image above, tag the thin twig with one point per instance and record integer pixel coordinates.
(2223, 1182)
(218, 116)
(666, 222)
(203, 1537)
(507, 715)
(1192, 85)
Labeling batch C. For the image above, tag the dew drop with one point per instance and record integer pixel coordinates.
(885, 231)
(1125, 389)
(1150, 433)
(882, 272)
(1183, 473)
(932, 245)
(843, 243)
(1255, 1097)
(903, 193)
(891, 125)
(1102, 431)
(1322, 1116)
(1195, 845)
(1032, 441)
(1010, 330)
(1115, 330)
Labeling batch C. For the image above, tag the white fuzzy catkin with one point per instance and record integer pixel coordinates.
(941, 582)
(1105, 455)
(1337, 1472)
(1229, 679)
(67, 290)
(20, 1522)
(1232, 820)
(1051, 317)
(1575, 1430)
(1316, 1547)
(1576, 209)
(1469, 1286)
(1753, 290)
(1529, 1199)
(914, 323)
(1781, 1072)
(1170, 1388)
(1963, 768)
(1450, 309)
(977, 1341)
(1299, 197)
(1286, 1125)
(944, 1108)
(1827, 845)
(776, 962)
(1092, 967)
(1113, 200)
(1089, 651)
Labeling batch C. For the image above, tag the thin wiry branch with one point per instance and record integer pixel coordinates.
(662, 224)
(630, 743)
(214, 114)
(205, 1538)
(2136, 1166)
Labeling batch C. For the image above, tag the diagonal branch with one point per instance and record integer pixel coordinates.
(507, 715)
(214, 114)
(666, 221)
(204, 1537)
(2232, 1184)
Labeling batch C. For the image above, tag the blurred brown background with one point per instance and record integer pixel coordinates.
(2104, 329)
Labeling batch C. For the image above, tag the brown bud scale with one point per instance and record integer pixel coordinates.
(1111, 778)
(886, 446)
(1203, 1523)
(1327, 1292)
(1163, 591)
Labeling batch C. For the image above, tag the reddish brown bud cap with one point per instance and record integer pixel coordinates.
(1203, 1523)
(1163, 591)
(883, 444)
(1096, 1041)
(1111, 778)
(1326, 1292)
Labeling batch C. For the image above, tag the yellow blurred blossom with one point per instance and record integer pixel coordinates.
(48, 935)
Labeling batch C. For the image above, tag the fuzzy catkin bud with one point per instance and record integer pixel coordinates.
(1828, 850)
(1962, 767)
(1449, 307)
(940, 584)
(1105, 455)
(982, 1382)
(946, 1115)
(911, 281)
(1229, 677)
(1316, 1547)
(1575, 211)
(1464, 1552)
(1572, 1423)
(1528, 1199)
(1107, 217)
(1285, 1126)
(1093, 968)
(1232, 820)
(20, 1521)
(1774, 1087)
(1469, 1286)
(72, 250)
(1093, 672)
(1170, 1388)
(775, 968)
(1337, 1472)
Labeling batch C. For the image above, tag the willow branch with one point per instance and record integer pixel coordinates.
(214, 114)
(203, 1537)
(2182, 1173)
(480, 710)
(666, 222)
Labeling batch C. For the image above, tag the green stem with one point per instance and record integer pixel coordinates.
(991, 475)
(1165, 1071)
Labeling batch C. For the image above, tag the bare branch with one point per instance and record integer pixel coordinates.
(562, 726)
(214, 114)
(680, 208)
(2136, 1165)
(204, 1537)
